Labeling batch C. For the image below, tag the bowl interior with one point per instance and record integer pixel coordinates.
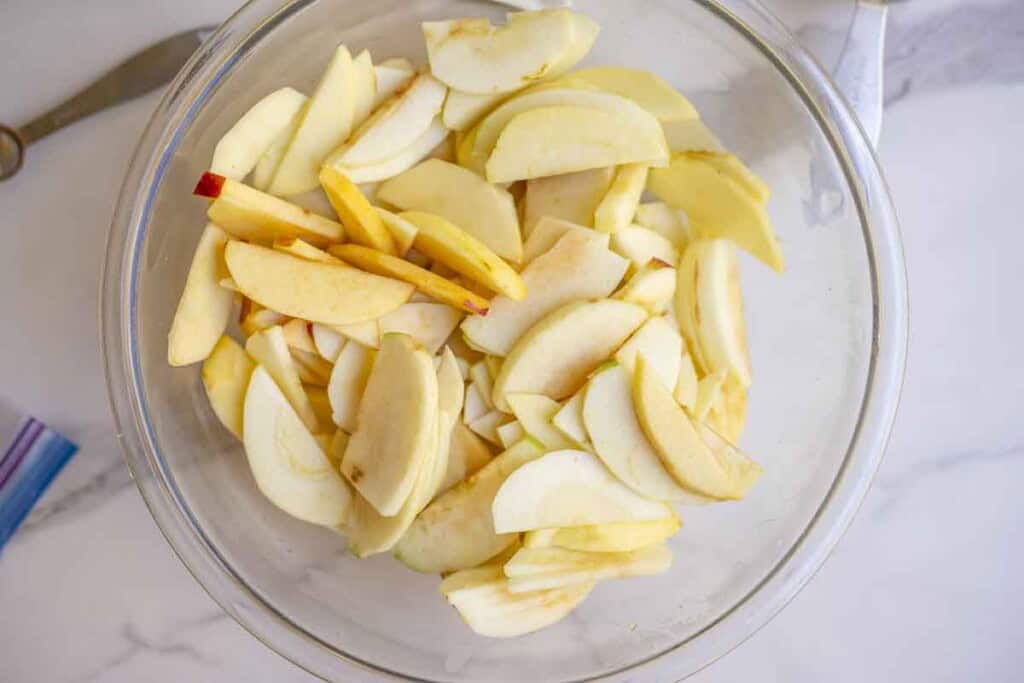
(811, 334)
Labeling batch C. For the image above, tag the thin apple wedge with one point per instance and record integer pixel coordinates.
(392, 78)
(430, 284)
(456, 531)
(364, 88)
(686, 389)
(569, 421)
(651, 287)
(487, 425)
(463, 109)
(568, 488)
(467, 454)
(249, 214)
(535, 412)
(417, 151)
(312, 369)
(348, 382)
(573, 197)
(549, 230)
(239, 150)
(226, 373)
(305, 250)
(443, 241)
(402, 231)
(476, 406)
(605, 538)
(728, 415)
(691, 135)
(709, 388)
(329, 342)
(698, 458)
(640, 245)
(511, 433)
(366, 333)
(260, 320)
(659, 342)
(542, 362)
(533, 569)
(428, 323)
(204, 307)
(486, 212)
(730, 165)
(619, 204)
(322, 407)
(670, 223)
(269, 349)
(286, 460)
(721, 329)
(297, 335)
(362, 222)
(648, 90)
(396, 425)
(317, 292)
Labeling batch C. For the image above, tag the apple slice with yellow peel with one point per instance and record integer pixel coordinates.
(392, 78)
(417, 151)
(698, 458)
(269, 349)
(659, 343)
(535, 412)
(605, 538)
(397, 423)
(456, 531)
(618, 206)
(510, 433)
(573, 197)
(685, 303)
(721, 330)
(651, 287)
(260, 320)
(569, 421)
(728, 414)
(325, 122)
(473, 56)
(226, 373)
(731, 166)
(485, 602)
(691, 135)
(542, 362)
(670, 223)
(362, 222)
(709, 388)
(549, 230)
(619, 439)
(249, 214)
(317, 292)
(640, 245)
(298, 335)
(430, 284)
(576, 268)
(204, 307)
(687, 385)
(718, 205)
(366, 333)
(428, 323)
(463, 109)
(568, 488)
(467, 454)
(348, 382)
(240, 149)
(534, 569)
(442, 241)
(486, 212)
(643, 87)
(402, 231)
(305, 250)
(329, 342)
(286, 460)
(364, 88)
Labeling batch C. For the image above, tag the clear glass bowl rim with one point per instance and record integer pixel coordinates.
(186, 94)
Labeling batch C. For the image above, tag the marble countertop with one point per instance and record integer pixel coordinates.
(924, 587)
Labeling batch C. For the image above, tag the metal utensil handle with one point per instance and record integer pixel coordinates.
(859, 73)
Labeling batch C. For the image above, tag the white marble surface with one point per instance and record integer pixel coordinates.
(925, 586)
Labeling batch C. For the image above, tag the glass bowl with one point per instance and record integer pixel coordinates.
(828, 343)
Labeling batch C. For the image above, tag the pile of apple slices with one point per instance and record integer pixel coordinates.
(468, 340)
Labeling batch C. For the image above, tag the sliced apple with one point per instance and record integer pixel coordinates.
(456, 531)
(339, 443)
(263, 173)
(483, 380)
(329, 342)
(640, 245)
(326, 122)
(240, 149)
(510, 433)
(619, 204)
(651, 287)
(287, 462)
(317, 292)
(311, 367)
(467, 453)
(691, 135)
(549, 230)
(473, 56)
(260, 320)
(670, 223)
(348, 382)
(269, 349)
(486, 604)
(584, 33)
(430, 284)
(493, 364)
(576, 268)
(463, 109)
(322, 407)
(721, 330)
(643, 87)
(475, 407)
(416, 152)
(605, 538)
(687, 386)
(698, 458)
(544, 361)
(428, 323)
(728, 414)
(364, 88)
(731, 166)
(718, 205)
(709, 388)
(204, 307)
(249, 214)
(396, 425)
(533, 569)
(486, 212)
(573, 197)
(487, 425)
(619, 439)
(568, 488)
(297, 247)
(535, 412)
(569, 420)
(392, 78)
(366, 333)
(442, 241)
(226, 373)
(685, 303)
(402, 231)
(659, 343)
(298, 335)
(362, 222)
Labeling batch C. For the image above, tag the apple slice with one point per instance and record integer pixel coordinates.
(576, 268)
(366, 333)
(428, 323)
(348, 382)
(535, 412)
(691, 135)
(549, 230)
(364, 88)
(304, 250)
(640, 245)
(260, 320)
(544, 362)
(403, 233)
(709, 388)
(486, 212)
(463, 109)
(339, 442)
(317, 292)
(362, 222)
(486, 604)
(493, 364)
(569, 420)
(728, 414)
(473, 56)
(263, 173)
(573, 197)
(731, 166)
(430, 284)
(721, 330)
(312, 368)
(417, 151)
(487, 425)
(249, 214)
(269, 349)
(533, 569)
(661, 346)
(618, 206)
(687, 386)
(643, 87)
(204, 307)
(392, 78)
(698, 458)
(510, 433)
(394, 127)
(619, 439)
(475, 407)
(226, 373)
(685, 303)
(442, 241)
(718, 205)
(670, 223)
(605, 538)
(483, 381)
(326, 122)
(329, 342)
(651, 287)
(397, 423)
(240, 149)
(288, 464)
(456, 531)
(567, 488)
(467, 453)
(322, 407)
(298, 335)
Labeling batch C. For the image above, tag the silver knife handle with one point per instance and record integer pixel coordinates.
(859, 71)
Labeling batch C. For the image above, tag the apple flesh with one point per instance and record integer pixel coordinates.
(721, 330)
(402, 231)
(658, 341)
(573, 197)
(549, 230)
(618, 206)
(362, 222)
(535, 412)
(648, 90)
(240, 149)
(533, 569)
(305, 250)
(428, 323)
(605, 538)
(269, 349)
(651, 287)
(467, 454)
(417, 151)
(569, 421)
(670, 223)
(691, 135)
(640, 245)
(348, 382)
(225, 375)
